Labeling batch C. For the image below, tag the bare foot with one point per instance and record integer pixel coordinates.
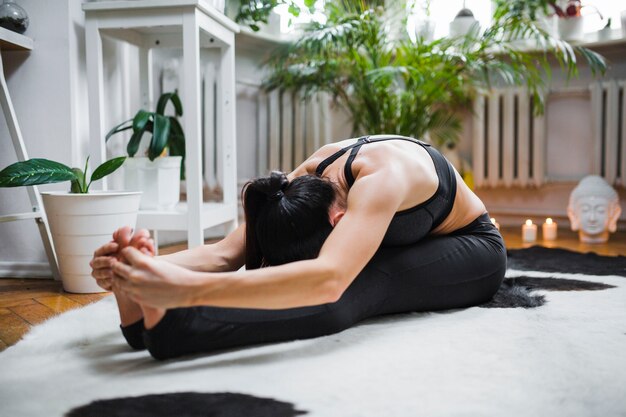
(152, 316)
(130, 311)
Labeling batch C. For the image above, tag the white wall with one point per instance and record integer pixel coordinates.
(42, 85)
(49, 92)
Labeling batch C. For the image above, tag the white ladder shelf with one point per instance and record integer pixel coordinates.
(12, 41)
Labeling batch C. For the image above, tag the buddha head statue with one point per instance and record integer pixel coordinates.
(593, 209)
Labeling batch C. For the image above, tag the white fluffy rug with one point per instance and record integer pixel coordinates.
(566, 358)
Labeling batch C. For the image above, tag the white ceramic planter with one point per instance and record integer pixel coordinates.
(158, 180)
(81, 223)
(463, 25)
(571, 28)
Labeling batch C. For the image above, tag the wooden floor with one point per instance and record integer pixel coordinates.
(26, 302)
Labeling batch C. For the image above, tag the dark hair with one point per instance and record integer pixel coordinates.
(286, 221)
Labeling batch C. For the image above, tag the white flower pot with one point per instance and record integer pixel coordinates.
(158, 180)
(463, 25)
(571, 28)
(81, 223)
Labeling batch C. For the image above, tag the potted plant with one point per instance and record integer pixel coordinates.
(157, 173)
(419, 88)
(80, 221)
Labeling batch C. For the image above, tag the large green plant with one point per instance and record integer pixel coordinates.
(166, 130)
(411, 88)
(39, 171)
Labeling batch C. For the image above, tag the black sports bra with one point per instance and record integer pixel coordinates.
(410, 225)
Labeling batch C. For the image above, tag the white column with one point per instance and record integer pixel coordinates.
(146, 78)
(227, 128)
(478, 141)
(193, 132)
(523, 136)
(95, 90)
(493, 139)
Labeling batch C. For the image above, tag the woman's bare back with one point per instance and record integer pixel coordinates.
(413, 174)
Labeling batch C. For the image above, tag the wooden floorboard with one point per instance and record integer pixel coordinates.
(26, 302)
(34, 313)
(12, 327)
(58, 303)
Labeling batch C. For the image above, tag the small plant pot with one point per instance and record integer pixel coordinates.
(571, 29)
(158, 180)
(463, 25)
(80, 224)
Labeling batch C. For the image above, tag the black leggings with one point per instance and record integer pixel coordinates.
(457, 270)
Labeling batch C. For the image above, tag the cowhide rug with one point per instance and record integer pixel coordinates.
(552, 342)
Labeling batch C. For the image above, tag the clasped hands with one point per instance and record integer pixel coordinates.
(127, 265)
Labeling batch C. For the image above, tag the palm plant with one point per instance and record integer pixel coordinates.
(414, 88)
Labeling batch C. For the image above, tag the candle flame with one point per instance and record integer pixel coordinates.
(529, 222)
(549, 220)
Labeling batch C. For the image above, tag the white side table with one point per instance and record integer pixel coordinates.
(190, 24)
(11, 41)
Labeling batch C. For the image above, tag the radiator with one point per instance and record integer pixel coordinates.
(609, 133)
(508, 140)
(290, 128)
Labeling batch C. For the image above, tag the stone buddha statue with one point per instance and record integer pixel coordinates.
(593, 209)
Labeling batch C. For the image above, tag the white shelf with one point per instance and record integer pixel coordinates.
(191, 25)
(601, 39)
(213, 214)
(202, 5)
(20, 216)
(13, 41)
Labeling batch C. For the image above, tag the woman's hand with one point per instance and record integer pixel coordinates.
(152, 282)
(105, 255)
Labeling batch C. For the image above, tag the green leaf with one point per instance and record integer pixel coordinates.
(35, 172)
(177, 143)
(140, 120)
(106, 168)
(162, 103)
(176, 132)
(119, 128)
(135, 140)
(78, 184)
(178, 106)
(294, 10)
(160, 135)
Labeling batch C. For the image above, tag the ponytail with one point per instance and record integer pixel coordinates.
(285, 221)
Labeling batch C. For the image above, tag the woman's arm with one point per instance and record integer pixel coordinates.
(354, 240)
(226, 255)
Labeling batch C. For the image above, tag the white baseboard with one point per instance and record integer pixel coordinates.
(25, 270)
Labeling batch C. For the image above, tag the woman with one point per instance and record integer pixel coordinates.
(379, 225)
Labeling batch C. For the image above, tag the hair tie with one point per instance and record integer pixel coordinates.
(277, 195)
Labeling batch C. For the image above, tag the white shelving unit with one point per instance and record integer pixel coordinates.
(190, 25)
(11, 41)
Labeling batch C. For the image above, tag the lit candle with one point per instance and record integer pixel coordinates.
(549, 229)
(495, 223)
(529, 231)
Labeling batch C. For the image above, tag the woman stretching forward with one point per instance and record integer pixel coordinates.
(364, 227)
